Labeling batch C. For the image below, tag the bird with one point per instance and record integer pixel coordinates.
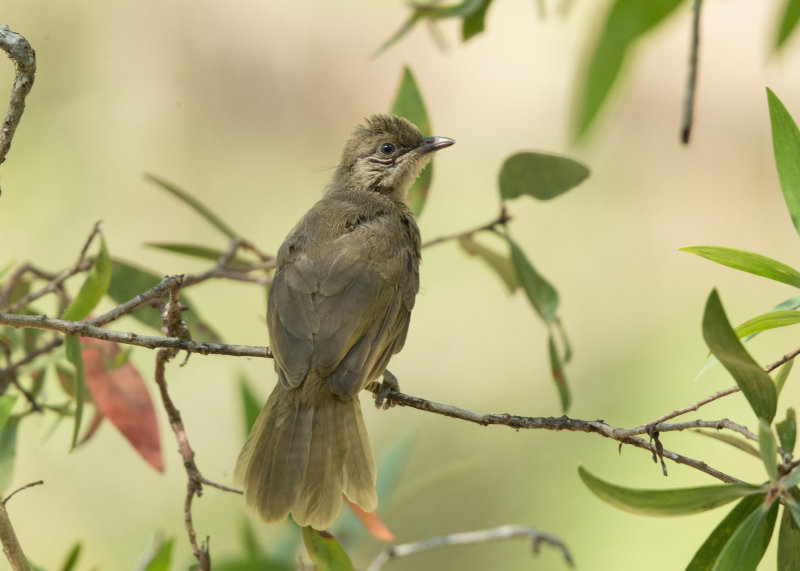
(338, 308)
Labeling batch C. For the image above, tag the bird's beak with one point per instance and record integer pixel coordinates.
(430, 144)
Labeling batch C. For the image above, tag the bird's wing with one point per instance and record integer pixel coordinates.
(343, 308)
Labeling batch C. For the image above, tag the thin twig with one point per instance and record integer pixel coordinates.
(21, 488)
(8, 538)
(503, 219)
(511, 531)
(691, 81)
(24, 58)
(782, 360)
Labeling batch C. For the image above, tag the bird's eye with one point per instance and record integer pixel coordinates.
(386, 148)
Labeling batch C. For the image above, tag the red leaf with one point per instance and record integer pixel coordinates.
(371, 522)
(120, 394)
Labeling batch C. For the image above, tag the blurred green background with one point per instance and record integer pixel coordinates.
(246, 104)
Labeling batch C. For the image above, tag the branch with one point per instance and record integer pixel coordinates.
(8, 538)
(510, 531)
(502, 219)
(24, 58)
(691, 81)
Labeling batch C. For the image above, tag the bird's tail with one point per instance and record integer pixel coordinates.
(301, 456)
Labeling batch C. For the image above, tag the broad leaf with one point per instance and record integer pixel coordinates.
(765, 321)
(786, 148)
(788, 543)
(625, 23)
(787, 431)
(557, 371)
(748, 262)
(501, 265)
(408, 103)
(705, 557)
(541, 294)
(540, 175)
(325, 552)
(120, 394)
(677, 501)
(748, 543)
(473, 24)
(161, 558)
(193, 203)
(94, 287)
(756, 384)
(768, 448)
(788, 22)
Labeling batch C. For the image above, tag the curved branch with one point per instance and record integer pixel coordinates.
(24, 58)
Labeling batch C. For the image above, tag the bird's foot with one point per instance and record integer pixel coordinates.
(382, 390)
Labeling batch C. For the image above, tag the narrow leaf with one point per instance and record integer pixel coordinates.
(766, 321)
(540, 175)
(748, 543)
(250, 404)
(325, 552)
(371, 522)
(705, 557)
(474, 23)
(748, 262)
(768, 448)
(625, 23)
(8, 452)
(678, 501)
(541, 294)
(193, 203)
(739, 443)
(407, 26)
(756, 384)
(788, 543)
(196, 251)
(783, 374)
(788, 22)
(501, 265)
(786, 148)
(557, 371)
(408, 103)
(120, 394)
(6, 404)
(73, 352)
(94, 287)
(787, 431)
(794, 505)
(72, 557)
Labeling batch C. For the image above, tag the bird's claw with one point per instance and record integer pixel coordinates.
(388, 385)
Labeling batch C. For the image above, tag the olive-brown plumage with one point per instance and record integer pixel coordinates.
(338, 309)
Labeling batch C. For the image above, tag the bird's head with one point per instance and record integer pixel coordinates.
(385, 155)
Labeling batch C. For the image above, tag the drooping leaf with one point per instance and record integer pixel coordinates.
(747, 545)
(371, 522)
(540, 175)
(541, 294)
(766, 321)
(625, 23)
(748, 262)
(250, 404)
(705, 557)
(408, 103)
(786, 148)
(196, 251)
(677, 501)
(557, 371)
(768, 448)
(788, 22)
(128, 281)
(756, 384)
(193, 203)
(474, 23)
(742, 445)
(501, 265)
(8, 451)
(73, 352)
(94, 286)
(788, 543)
(121, 395)
(325, 552)
(783, 374)
(787, 431)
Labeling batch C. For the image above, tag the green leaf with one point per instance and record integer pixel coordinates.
(792, 479)
(196, 251)
(783, 374)
(788, 22)
(94, 287)
(626, 22)
(193, 203)
(501, 265)
(8, 451)
(768, 448)
(325, 552)
(786, 148)
(748, 262)
(557, 371)
(250, 404)
(793, 504)
(161, 559)
(756, 384)
(707, 554)
(766, 321)
(540, 175)
(748, 543)
(787, 431)
(407, 26)
(408, 103)
(541, 294)
(788, 543)
(742, 445)
(678, 501)
(73, 351)
(72, 557)
(474, 23)
(7, 403)
(128, 281)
